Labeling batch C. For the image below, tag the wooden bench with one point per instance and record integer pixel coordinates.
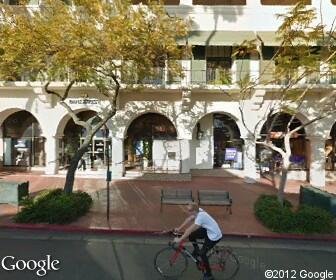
(215, 197)
(176, 196)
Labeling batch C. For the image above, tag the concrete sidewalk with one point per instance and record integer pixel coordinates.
(135, 204)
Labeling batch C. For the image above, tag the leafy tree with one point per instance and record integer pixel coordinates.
(108, 44)
(304, 46)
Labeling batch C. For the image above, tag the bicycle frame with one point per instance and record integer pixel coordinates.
(182, 249)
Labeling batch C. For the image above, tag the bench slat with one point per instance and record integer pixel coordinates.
(215, 197)
(211, 202)
(176, 196)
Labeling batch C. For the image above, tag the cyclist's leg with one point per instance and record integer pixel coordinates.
(200, 233)
(208, 244)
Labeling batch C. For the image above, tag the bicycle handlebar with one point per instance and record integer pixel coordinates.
(171, 232)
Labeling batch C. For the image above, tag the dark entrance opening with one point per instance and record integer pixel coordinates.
(228, 147)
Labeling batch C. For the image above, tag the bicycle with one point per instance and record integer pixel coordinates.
(172, 261)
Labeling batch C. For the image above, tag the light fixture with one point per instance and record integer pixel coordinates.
(199, 132)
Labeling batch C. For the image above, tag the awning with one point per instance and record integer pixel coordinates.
(269, 38)
(230, 38)
(218, 38)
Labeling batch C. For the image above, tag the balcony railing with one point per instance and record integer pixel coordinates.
(210, 76)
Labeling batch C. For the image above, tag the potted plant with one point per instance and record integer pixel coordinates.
(146, 153)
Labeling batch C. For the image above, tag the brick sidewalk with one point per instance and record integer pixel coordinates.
(136, 204)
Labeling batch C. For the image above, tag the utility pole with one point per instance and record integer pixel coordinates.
(108, 176)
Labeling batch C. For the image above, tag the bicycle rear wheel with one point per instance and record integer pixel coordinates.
(223, 263)
(169, 263)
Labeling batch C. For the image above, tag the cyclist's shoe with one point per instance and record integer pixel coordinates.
(208, 277)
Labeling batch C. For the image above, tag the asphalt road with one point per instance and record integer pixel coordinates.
(94, 256)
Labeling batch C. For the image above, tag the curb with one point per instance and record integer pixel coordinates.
(78, 229)
(158, 232)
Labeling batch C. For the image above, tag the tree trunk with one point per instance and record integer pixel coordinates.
(284, 169)
(283, 179)
(70, 177)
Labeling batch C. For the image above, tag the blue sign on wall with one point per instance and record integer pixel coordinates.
(230, 153)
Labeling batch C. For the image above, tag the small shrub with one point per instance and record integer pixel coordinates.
(54, 207)
(282, 219)
(269, 211)
(311, 219)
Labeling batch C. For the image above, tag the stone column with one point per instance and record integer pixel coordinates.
(250, 171)
(185, 155)
(234, 72)
(324, 67)
(1, 147)
(51, 153)
(317, 172)
(254, 68)
(186, 65)
(117, 158)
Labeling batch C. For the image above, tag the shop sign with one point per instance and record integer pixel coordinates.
(230, 153)
(83, 101)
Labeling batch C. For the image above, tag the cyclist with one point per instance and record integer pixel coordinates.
(203, 226)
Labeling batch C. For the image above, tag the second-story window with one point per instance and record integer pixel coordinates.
(219, 2)
(218, 64)
(283, 2)
(165, 2)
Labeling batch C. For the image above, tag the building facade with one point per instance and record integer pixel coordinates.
(178, 125)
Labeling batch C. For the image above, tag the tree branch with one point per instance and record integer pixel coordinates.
(46, 88)
(272, 146)
(65, 105)
(67, 90)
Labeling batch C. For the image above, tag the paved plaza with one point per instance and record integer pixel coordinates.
(135, 204)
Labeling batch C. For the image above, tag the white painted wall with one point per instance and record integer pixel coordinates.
(161, 160)
(196, 154)
(202, 150)
(251, 17)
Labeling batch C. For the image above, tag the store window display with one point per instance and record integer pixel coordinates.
(23, 143)
(141, 135)
(74, 135)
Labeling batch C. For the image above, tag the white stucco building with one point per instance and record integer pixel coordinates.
(176, 126)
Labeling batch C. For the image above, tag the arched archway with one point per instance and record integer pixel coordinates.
(227, 143)
(275, 128)
(217, 143)
(73, 137)
(23, 143)
(144, 137)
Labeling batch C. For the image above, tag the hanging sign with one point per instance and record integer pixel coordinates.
(230, 153)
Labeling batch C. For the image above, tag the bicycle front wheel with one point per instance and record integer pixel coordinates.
(170, 263)
(223, 263)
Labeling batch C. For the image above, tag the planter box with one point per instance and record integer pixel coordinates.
(316, 197)
(13, 192)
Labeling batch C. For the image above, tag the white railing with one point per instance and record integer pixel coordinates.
(210, 76)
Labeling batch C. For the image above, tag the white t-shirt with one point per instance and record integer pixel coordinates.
(204, 220)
